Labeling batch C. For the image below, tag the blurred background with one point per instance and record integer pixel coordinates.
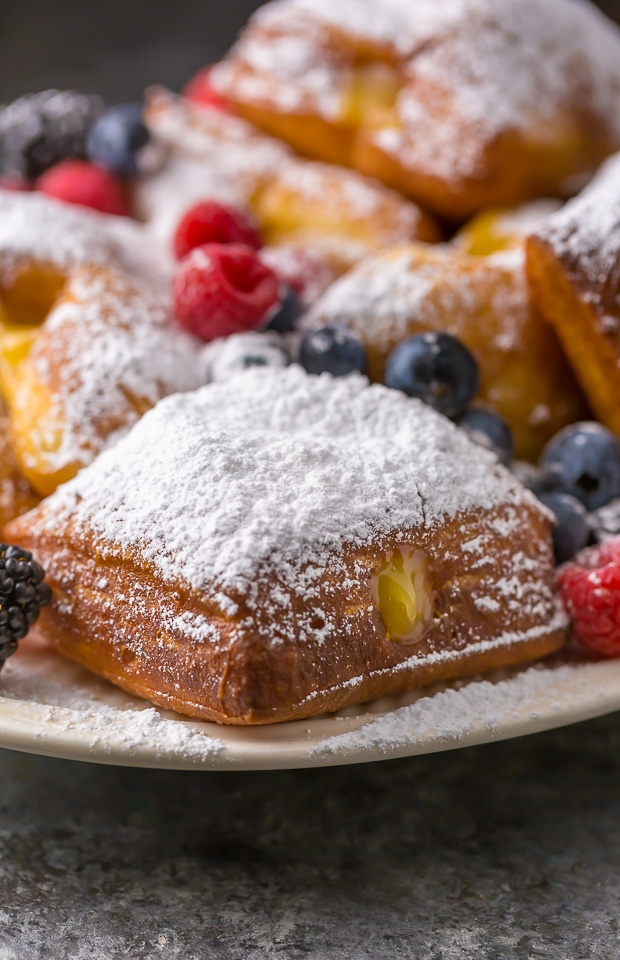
(117, 49)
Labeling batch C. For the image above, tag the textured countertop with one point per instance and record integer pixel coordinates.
(510, 850)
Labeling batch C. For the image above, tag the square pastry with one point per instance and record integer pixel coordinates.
(279, 545)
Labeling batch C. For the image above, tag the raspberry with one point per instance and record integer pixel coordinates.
(76, 181)
(590, 589)
(200, 91)
(212, 222)
(222, 289)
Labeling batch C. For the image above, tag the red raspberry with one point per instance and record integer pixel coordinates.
(222, 289)
(211, 222)
(199, 90)
(590, 589)
(76, 181)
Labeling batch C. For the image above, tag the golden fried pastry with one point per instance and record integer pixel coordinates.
(460, 104)
(573, 264)
(87, 341)
(280, 545)
(335, 214)
(16, 494)
(484, 301)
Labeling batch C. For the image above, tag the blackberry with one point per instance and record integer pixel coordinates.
(23, 592)
(40, 129)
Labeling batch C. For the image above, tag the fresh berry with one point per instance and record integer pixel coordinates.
(116, 139)
(590, 590)
(572, 530)
(212, 222)
(221, 289)
(305, 273)
(438, 369)
(79, 182)
(332, 350)
(41, 129)
(285, 318)
(584, 461)
(489, 430)
(224, 358)
(199, 90)
(23, 592)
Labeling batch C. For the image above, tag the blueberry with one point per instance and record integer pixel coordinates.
(116, 138)
(491, 431)
(332, 350)
(289, 312)
(572, 532)
(584, 461)
(438, 369)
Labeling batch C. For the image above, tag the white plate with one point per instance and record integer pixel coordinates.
(52, 707)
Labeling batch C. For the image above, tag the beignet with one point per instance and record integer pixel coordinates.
(87, 337)
(335, 214)
(485, 302)
(460, 104)
(280, 545)
(573, 264)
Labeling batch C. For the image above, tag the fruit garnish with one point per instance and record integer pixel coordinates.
(590, 590)
(284, 320)
(438, 369)
(332, 349)
(572, 530)
(23, 592)
(489, 430)
(220, 289)
(200, 91)
(211, 222)
(82, 183)
(404, 597)
(583, 460)
(41, 129)
(116, 139)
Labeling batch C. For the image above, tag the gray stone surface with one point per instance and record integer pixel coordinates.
(510, 850)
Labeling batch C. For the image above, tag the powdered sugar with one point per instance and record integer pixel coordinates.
(585, 233)
(214, 155)
(273, 473)
(454, 57)
(451, 715)
(79, 705)
(112, 332)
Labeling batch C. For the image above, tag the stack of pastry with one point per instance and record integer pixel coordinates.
(274, 544)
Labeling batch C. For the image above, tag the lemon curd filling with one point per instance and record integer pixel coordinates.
(370, 98)
(403, 595)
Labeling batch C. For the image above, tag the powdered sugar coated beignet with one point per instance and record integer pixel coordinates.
(335, 214)
(279, 545)
(87, 337)
(461, 104)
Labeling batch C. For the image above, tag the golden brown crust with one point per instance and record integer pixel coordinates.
(414, 95)
(482, 300)
(16, 495)
(122, 621)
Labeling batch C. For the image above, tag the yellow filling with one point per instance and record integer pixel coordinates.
(486, 233)
(370, 98)
(404, 597)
